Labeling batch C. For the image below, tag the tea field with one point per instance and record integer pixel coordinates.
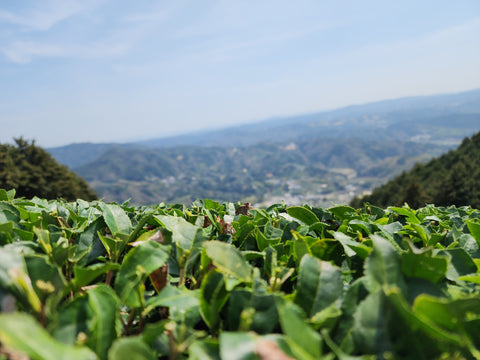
(95, 280)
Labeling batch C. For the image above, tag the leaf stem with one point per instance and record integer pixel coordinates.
(109, 277)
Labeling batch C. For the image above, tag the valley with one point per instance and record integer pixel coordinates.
(322, 159)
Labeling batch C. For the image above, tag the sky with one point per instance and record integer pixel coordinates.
(116, 70)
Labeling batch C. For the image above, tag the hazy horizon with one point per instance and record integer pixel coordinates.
(220, 127)
(110, 71)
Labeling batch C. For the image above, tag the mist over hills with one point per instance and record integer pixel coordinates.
(433, 116)
(321, 158)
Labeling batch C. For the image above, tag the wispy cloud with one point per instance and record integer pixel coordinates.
(23, 52)
(30, 36)
(51, 13)
(445, 40)
(146, 17)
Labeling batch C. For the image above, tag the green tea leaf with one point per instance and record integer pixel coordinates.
(326, 318)
(410, 214)
(116, 219)
(252, 310)
(304, 342)
(359, 225)
(42, 272)
(171, 296)
(213, 296)
(105, 318)
(319, 285)
(238, 346)
(343, 212)
(7, 195)
(14, 277)
(43, 237)
(21, 332)
(139, 262)
(204, 350)
(9, 260)
(448, 314)
(417, 320)
(89, 242)
(85, 275)
(351, 246)
(300, 247)
(227, 258)
(303, 214)
(67, 331)
(185, 235)
(424, 266)
(130, 348)
(382, 267)
(3, 195)
(460, 263)
(474, 227)
(370, 329)
(6, 227)
(475, 278)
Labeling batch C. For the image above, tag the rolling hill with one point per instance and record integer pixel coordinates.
(321, 158)
(442, 119)
(310, 170)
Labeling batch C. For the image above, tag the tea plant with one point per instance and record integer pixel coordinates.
(95, 280)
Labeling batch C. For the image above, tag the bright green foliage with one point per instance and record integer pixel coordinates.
(32, 171)
(91, 280)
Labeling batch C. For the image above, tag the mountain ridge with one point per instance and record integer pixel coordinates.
(380, 119)
(307, 170)
(321, 158)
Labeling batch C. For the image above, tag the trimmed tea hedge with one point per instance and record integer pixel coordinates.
(95, 280)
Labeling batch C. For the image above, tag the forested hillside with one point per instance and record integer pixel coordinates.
(452, 179)
(32, 171)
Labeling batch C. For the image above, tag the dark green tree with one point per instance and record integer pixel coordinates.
(32, 171)
(414, 195)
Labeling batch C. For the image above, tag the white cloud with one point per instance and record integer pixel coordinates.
(47, 16)
(23, 52)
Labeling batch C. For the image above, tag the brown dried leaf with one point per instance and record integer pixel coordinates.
(206, 221)
(227, 227)
(158, 237)
(159, 277)
(243, 209)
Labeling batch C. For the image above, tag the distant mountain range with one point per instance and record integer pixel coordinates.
(322, 157)
(438, 118)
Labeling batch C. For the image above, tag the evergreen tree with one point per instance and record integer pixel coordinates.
(414, 195)
(31, 171)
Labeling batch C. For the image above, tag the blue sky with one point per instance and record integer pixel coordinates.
(117, 70)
